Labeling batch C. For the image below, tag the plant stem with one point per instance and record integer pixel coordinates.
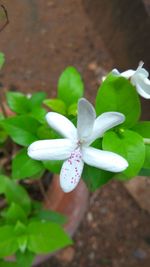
(147, 141)
(2, 107)
(42, 189)
(3, 204)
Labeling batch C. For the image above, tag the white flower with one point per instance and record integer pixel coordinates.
(74, 148)
(139, 78)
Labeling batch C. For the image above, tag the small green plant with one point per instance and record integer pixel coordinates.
(115, 145)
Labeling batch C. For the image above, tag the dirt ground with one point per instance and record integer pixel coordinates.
(42, 38)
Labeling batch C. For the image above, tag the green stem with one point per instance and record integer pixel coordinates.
(146, 141)
(42, 189)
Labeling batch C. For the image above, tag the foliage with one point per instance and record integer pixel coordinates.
(2, 59)
(26, 228)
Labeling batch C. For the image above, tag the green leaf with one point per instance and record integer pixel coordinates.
(37, 206)
(18, 102)
(144, 172)
(95, 178)
(56, 105)
(147, 157)
(15, 213)
(2, 59)
(24, 259)
(22, 129)
(129, 145)
(118, 94)
(3, 133)
(45, 132)
(70, 86)
(1, 116)
(53, 165)
(37, 99)
(20, 231)
(143, 128)
(8, 264)
(73, 109)
(3, 183)
(8, 242)
(22, 104)
(14, 193)
(24, 167)
(46, 237)
(2, 171)
(3, 136)
(17, 193)
(22, 242)
(38, 113)
(52, 216)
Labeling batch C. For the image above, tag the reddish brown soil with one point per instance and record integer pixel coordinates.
(115, 233)
(44, 37)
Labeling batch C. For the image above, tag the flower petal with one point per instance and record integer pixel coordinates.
(86, 118)
(142, 85)
(115, 72)
(61, 125)
(105, 122)
(71, 171)
(141, 71)
(105, 160)
(128, 73)
(143, 89)
(56, 149)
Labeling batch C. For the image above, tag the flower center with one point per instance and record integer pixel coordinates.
(79, 144)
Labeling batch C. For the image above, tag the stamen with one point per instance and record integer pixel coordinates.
(141, 63)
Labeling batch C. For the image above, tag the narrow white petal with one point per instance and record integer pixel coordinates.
(128, 73)
(141, 63)
(143, 91)
(105, 160)
(56, 149)
(141, 71)
(61, 125)
(86, 118)
(105, 122)
(142, 85)
(71, 172)
(115, 72)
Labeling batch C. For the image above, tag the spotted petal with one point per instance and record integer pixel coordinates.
(105, 160)
(105, 122)
(71, 172)
(86, 118)
(61, 125)
(56, 149)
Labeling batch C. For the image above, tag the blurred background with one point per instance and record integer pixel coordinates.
(41, 39)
